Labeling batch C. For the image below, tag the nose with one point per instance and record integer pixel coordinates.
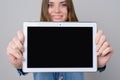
(57, 9)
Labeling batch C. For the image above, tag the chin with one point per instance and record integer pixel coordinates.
(58, 20)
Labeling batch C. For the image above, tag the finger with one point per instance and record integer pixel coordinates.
(11, 58)
(101, 41)
(20, 36)
(16, 53)
(104, 46)
(18, 44)
(99, 33)
(12, 45)
(16, 62)
(107, 51)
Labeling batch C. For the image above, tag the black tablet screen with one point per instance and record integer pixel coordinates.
(60, 47)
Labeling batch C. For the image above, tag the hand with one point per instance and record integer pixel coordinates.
(15, 50)
(104, 50)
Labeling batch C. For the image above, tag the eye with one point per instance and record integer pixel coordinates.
(50, 5)
(63, 4)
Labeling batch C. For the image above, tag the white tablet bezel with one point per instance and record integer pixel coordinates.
(60, 24)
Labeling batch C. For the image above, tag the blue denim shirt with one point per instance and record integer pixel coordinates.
(58, 75)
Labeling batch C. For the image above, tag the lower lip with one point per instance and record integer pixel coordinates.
(56, 17)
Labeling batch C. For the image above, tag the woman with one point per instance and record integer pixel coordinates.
(58, 10)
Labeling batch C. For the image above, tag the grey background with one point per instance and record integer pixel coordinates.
(105, 12)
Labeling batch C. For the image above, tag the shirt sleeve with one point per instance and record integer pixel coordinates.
(102, 69)
(21, 72)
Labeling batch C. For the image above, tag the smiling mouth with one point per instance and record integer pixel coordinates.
(57, 16)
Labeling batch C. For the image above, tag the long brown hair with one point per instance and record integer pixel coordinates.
(71, 12)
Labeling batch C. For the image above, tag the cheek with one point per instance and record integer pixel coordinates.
(49, 13)
(65, 14)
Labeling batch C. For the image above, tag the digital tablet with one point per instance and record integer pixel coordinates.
(59, 47)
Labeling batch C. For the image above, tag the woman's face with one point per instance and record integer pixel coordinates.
(57, 10)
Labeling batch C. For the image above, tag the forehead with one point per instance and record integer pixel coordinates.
(57, 1)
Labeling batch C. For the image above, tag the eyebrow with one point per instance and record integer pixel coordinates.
(63, 2)
(60, 2)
